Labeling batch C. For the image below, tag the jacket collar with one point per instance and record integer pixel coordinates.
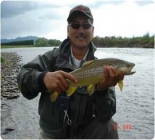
(65, 51)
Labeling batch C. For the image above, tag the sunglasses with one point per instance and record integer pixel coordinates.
(77, 25)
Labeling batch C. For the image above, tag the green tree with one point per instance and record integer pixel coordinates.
(41, 42)
(54, 42)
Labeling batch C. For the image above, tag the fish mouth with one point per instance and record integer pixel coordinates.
(131, 70)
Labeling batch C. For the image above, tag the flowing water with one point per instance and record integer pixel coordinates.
(135, 104)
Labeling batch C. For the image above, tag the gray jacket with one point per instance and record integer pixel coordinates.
(82, 107)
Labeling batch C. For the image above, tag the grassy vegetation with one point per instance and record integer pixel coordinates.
(2, 60)
(16, 46)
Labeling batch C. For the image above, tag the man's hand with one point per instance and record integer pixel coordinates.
(56, 81)
(111, 77)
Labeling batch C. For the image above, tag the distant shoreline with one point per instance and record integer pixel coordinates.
(128, 47)
(17, 46)
(31, 46)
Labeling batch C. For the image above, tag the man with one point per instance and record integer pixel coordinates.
(79, 116)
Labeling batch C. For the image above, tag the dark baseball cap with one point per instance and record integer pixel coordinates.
(80, 8)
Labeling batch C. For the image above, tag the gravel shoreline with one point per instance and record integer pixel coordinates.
(19, 116)
(9, 89)
(9, 70)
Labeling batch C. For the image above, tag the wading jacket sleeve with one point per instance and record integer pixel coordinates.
(30, 74)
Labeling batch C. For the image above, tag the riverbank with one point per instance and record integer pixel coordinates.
(9, 70)
(9, 90)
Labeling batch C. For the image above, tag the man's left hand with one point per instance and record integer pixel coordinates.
(111, 78)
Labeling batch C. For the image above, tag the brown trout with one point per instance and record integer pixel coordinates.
(92, 73)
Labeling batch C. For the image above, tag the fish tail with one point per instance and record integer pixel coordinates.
(54, 96)
(120, 84)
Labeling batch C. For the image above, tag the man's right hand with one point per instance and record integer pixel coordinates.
(56, 81)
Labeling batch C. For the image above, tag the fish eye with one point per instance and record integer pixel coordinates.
(128, 65)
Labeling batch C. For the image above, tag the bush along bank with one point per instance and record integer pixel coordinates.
(9, 69)
(145, 41)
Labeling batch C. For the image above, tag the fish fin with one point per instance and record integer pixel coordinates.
(71, 90)
(120, 84)
(91, 89)
(87, 63)
(54, 96)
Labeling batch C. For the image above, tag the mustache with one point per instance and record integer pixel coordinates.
(81, 35)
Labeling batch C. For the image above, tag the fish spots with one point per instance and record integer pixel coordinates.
(91, 72)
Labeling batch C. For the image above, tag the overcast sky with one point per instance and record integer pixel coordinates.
(48, 18)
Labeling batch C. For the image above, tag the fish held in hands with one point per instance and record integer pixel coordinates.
(92, 73)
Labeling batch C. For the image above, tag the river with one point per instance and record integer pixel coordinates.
(135, 104)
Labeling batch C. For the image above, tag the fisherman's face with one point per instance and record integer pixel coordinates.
(80, 36)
